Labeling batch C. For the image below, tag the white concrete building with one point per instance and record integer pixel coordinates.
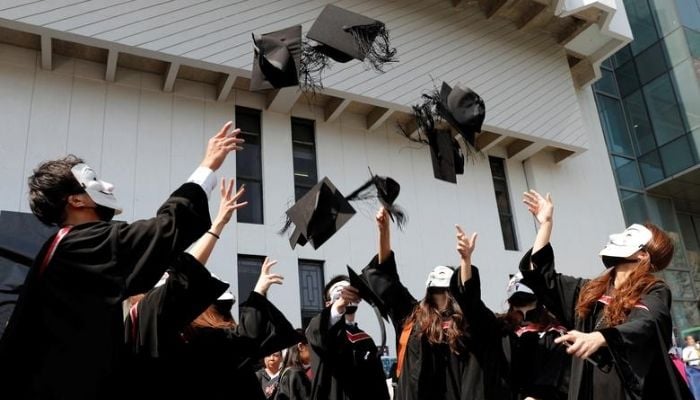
(137, 87)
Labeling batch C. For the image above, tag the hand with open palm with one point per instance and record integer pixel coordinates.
(541, 207)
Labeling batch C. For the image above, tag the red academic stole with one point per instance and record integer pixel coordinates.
(52, 248)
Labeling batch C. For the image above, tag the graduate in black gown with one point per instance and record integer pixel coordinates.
(65, 337)
(344, 358)
(439, 356)
(296, 377)
(622, 318)
(183, 333)
(538, 367)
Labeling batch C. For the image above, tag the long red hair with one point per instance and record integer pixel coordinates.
(430, 322)
(639, 281)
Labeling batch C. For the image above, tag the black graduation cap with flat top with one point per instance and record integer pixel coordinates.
(366, 293)
(345, 35)
(318, 214)
(277, 59)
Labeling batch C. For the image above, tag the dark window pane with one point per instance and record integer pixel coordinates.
(683, 76)
(500, 185)
(304, 153)
(614, 125)
(248, 163)
(310, 289)
(253, 212)
(642, 24)
(303, 130)
(639, 123)
(651, 62)
(248, 273)
(508, 230)
(627, 78)
(607, 83)
(633, 207)
(663, 110)
(607, 63)
(248, 119)
(677, 155)
(650, 165)
(626, 172)
(622, 56)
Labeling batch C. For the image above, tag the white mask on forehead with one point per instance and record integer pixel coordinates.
(335, 291)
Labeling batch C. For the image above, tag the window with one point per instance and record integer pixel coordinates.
(642, 24)
(249, 165)
(650, 165)
(626, 172)
(248, 273)
(663, 109)
(639, 123)
(500, 185)
(651, 62)
(677, 155)
(310, 289)
(304, 151)
(614, 125)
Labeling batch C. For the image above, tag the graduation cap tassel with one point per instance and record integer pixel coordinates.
(313, 64)
(373, 40)
(369, 190)
(287, 225)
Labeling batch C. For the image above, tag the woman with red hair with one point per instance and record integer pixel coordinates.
(621, 319)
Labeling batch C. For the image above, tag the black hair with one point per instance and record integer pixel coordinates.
(49, 187)
(333, 281)
(293, 358)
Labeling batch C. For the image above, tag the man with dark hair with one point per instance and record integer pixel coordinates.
(65, 338)
(344, 358)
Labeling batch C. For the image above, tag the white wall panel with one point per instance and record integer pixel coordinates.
(516, 72)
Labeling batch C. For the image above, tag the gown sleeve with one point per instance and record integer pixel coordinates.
(383, 280)
(322, 337)
(558, 292)
(166, 310)
(145, 244)
(294, 385)
(263, 329)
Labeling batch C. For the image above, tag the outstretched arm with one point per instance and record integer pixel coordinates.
(229, 203)
(542, 208)
(384, 235)
(465, 248)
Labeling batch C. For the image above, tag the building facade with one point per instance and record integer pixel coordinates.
(649, 105)
(136, 88)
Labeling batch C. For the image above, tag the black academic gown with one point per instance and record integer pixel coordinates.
(433, 371)
(294, 384)
(636, 352)
(345, 361)
(532, 365)
(206, 363)
(65, 337)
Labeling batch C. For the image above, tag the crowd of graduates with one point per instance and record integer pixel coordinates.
(112, 310)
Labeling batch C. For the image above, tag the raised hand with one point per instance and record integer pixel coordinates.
(267, 278)
(229, 203)
(348, 295)
(541, 207)
(382, 220)
(220, 145)
(465, 244)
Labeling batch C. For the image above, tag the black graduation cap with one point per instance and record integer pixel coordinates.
(316, 216)
(446, 155)
(463, 109)
(277, 60)
(365, 292)
(344, 35)
(386, 190)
